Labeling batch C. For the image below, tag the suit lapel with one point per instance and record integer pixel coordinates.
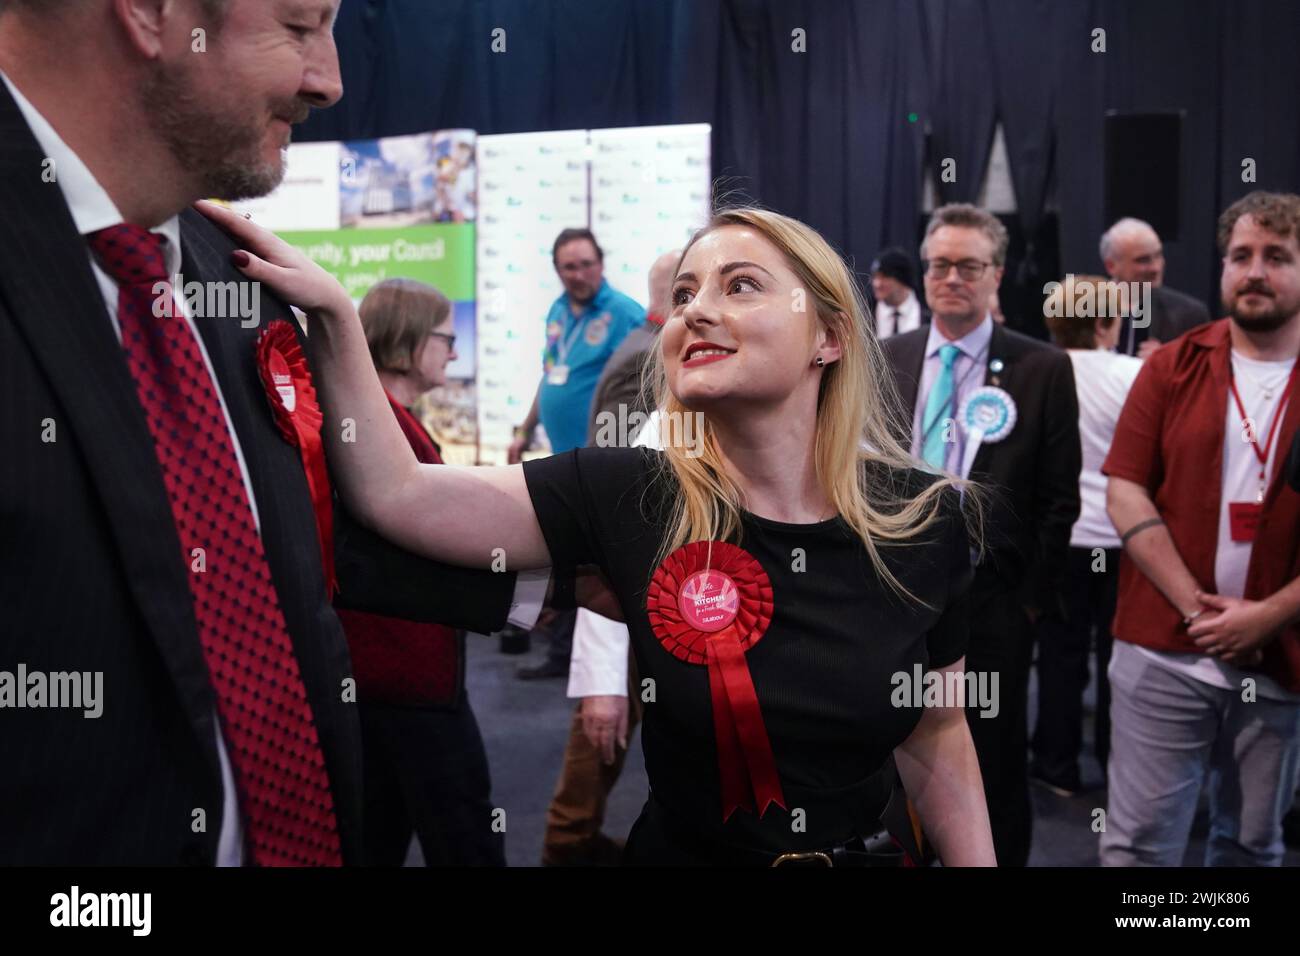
(49, 289)
(911, 362)
(274, 468)
(1000, 379)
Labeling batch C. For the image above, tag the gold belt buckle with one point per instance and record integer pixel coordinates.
(784, 858)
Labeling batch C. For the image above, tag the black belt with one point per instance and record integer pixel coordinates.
(851, 852)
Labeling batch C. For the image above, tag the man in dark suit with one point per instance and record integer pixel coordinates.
(159, 530)
(897, 309)
(965, 370)
(1132, 252)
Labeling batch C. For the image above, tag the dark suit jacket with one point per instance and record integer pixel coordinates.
(91, 576)
(1032, 474)
(1172, 314)
(620, 380)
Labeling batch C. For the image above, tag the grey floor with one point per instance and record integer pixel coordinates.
(525, 724)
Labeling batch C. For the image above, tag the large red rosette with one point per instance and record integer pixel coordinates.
(297, 414)
(708, 603)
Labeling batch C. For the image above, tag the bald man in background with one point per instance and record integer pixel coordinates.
(1132, 252)
(609, 707)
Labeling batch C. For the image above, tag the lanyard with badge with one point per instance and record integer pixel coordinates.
(559, 373)
(1244, 516)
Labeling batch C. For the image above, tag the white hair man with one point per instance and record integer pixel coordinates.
(1131, 251)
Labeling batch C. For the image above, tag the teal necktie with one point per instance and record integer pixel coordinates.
(935, 449)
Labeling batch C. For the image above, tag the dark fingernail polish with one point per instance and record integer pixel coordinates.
(239, 257)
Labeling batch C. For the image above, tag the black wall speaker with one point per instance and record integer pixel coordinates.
(1144, 169)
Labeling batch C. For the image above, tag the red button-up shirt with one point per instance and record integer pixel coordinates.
(1169, 440)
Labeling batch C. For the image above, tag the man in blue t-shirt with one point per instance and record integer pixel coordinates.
(583, 328)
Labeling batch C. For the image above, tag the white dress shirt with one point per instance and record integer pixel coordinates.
(891, 320)
(968, 375)
(92, 210)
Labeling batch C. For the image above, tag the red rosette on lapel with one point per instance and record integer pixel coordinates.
(708, 603)
(287, 381)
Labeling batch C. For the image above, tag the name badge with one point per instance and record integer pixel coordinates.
(1243, 519)
(558, 375)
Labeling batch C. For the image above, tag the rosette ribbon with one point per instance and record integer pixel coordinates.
(287, 381)
(708, 603)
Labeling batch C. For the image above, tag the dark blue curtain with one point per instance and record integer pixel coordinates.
(836, 135)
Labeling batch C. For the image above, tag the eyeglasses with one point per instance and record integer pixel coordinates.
(447, 337)
(968, 269)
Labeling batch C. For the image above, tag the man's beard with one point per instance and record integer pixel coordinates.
(1269, 321)
(221, 146)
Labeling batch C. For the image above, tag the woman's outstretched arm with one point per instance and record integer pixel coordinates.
(477, 517)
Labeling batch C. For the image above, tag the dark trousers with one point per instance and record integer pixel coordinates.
(426, 772)
(1002, 642)
(1063, 666)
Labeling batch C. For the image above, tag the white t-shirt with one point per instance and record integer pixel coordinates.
(1102, 378)
(1256, 381)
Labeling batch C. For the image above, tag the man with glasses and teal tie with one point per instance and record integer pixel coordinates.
(999, 408)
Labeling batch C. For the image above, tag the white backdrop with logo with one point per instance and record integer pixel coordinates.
(642, 191)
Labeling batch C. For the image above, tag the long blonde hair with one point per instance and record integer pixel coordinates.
(858, 417)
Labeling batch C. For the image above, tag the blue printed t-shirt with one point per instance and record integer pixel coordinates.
(584, 343)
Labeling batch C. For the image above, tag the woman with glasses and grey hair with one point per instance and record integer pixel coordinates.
(425, 767)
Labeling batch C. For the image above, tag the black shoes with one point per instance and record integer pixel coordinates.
(514, 640)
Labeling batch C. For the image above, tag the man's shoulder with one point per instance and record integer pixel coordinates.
(199, 229)
(1173, 299)
(559, 306)
(639, 340)
(622, 305)
(1189, 349)
(205, 251)
(905, 343)
(1030, 352)
(1020, 342)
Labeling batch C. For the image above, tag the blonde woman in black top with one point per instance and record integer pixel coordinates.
(779, 577)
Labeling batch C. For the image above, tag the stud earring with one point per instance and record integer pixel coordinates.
(821, 362)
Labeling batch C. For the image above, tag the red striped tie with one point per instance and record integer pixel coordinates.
(266, 719)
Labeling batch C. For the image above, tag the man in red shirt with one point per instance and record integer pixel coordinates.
(1205, 674)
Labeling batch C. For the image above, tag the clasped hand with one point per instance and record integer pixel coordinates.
(1233, 629)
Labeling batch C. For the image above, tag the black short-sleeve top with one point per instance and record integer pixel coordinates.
(824, 669)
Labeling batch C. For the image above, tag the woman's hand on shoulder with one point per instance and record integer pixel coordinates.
(284, 269)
